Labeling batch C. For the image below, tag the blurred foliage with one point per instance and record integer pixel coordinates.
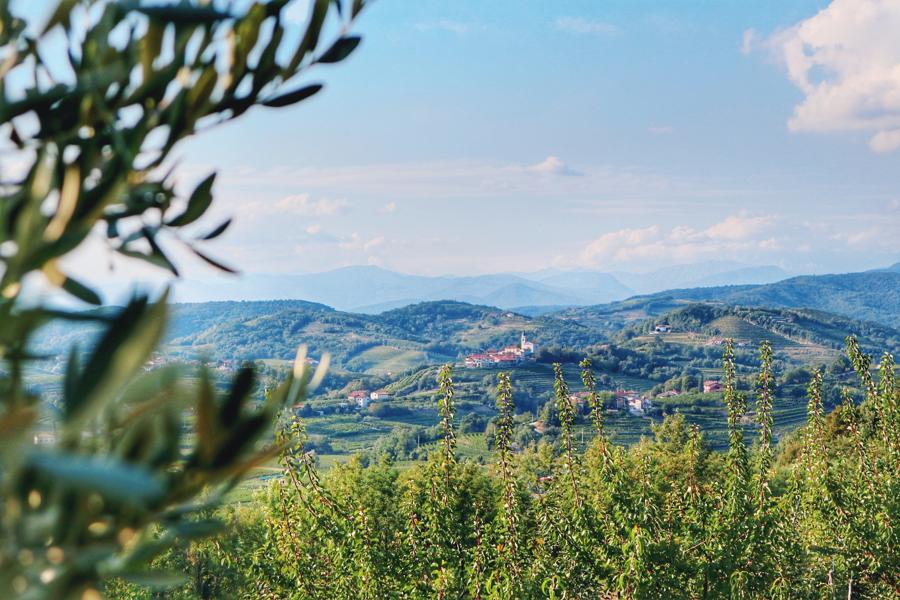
(92, 103)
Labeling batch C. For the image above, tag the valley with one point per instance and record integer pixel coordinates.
(661, 347)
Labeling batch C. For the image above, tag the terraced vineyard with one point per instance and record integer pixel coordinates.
(734, 327)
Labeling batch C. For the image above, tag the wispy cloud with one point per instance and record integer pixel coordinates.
(364, 244)
(303, 205)
(749, 41)
(583, 26)
(456, 179)
(552, 165)
(390, 207)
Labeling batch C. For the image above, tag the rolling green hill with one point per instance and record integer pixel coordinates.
(792, 331)
(394, 341)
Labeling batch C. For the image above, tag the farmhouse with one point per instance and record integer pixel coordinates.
(580, 399)
(360, 398)
(712, 385)
(662, 329)
(637, 404)
(380, 395)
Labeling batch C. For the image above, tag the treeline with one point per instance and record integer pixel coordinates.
(659, 360)
(816, 517)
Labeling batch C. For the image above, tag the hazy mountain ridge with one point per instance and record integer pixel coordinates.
(868, 296)
(370, 289)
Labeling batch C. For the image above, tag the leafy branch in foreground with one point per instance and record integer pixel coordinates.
(92, 104)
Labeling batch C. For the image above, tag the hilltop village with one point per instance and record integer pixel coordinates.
(617, 399)
(498, 359)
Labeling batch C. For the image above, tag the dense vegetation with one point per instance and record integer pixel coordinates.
(816, 516)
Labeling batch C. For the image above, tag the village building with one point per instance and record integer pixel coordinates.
(380, 395)
(360, 398)
(712, 385)
(475, 361)
(635, 403)
(662, 329)
(509, 356)
(639, 406)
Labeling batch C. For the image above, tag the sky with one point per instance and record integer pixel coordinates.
(468, 137)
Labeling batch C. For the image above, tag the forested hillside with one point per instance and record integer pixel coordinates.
(420, 334)
(786, 328)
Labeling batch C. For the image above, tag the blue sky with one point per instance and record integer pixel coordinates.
(472, 137)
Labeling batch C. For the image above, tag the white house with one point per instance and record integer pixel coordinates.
(360, 398)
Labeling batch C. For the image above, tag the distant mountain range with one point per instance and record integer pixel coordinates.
(368, 289)
(869, 296)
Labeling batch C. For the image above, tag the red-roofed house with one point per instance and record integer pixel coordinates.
(712, 385)
(360, 398)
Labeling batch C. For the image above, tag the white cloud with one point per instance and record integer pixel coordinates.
(390, 207)
(877, 237)
(313, 229)
(749, 41)
(553, 166)
(739, 227)
(356, 242)
(681, 243)
(846, 61)
(885, 141)
(770, 244)
(583, 26)
(373, 243)
(610, 246)
(302, 205)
